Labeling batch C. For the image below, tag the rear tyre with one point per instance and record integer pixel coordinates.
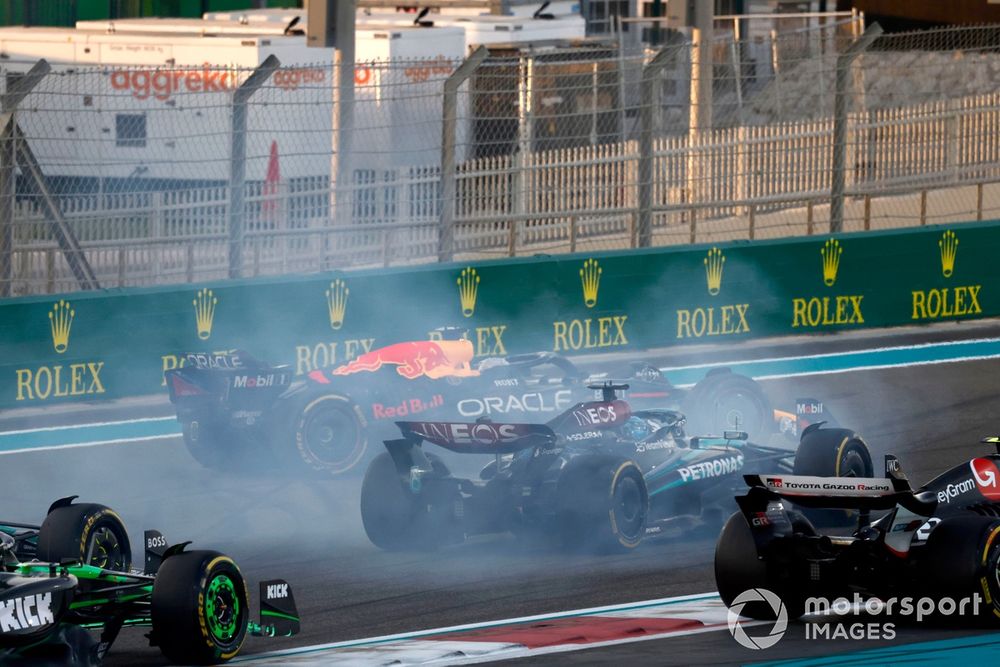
(603, 504)
(962, 559)
(89, 533)
(329, 434)
(206, 445)
(394, 518)
(739, 568)
(833, 452)
(725, 401)
(200, 608)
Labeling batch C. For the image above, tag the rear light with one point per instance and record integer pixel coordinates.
(181, 387)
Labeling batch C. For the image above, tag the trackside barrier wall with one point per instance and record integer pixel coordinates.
(114, 343)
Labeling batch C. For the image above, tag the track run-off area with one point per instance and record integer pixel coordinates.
(927, 396)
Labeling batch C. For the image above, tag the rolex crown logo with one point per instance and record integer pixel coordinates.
(831, 252)
(60, 321)
(714, 263)
(590, 276)
(336, 302)
(204, 312)
(949, 248)
(468, 286)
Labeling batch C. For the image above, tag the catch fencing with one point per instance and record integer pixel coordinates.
(597, 147)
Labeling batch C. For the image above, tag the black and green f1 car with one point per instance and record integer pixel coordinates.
(63, 582)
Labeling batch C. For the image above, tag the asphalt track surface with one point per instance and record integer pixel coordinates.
(308, 531)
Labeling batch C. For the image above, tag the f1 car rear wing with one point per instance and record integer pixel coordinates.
(481, 437)
(866, 493)
(220, 375)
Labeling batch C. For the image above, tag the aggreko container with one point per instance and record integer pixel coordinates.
(151, 98)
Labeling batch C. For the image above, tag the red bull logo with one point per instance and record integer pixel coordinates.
(433, 359)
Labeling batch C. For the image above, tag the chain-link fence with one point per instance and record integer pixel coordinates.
(136, 176)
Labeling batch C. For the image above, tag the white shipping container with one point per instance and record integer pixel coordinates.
(116, 118)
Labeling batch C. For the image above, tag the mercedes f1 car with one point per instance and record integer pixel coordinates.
(233, 407)
(73, 575)
(599, 476)
(941, 540)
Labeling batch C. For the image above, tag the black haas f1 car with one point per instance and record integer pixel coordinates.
(599, 476)
(73, 575)
(233, 407)
(941, 540)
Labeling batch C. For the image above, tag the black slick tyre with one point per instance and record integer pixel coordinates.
(388, 512)
(324, 432)
(200, 608)
(206, 445)
(89, 533)
(832, 452)
(603, 505)
(960, 560)
(724, 401)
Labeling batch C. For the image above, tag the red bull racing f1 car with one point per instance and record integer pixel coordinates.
(72, 576)
(601, 474)
(232, 406)
(939, 541)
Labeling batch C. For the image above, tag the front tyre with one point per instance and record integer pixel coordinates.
(89, 533)
(725, 401)
(832, 452)
(200, 608)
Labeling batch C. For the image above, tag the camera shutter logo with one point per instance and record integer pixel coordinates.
(736, 623)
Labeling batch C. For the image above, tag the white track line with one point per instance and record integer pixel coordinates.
(68, 427)
(78, 445)
(825, 355)
(404, 636)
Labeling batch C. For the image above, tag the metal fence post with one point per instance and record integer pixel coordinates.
(449, 131)
(839, 159)
(9, 101)
(238, 160)
(650, 87)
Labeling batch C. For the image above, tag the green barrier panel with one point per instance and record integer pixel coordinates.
(95, 345)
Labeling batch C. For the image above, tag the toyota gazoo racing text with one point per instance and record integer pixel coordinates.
(599, 475)
(232, 406)
(940, 542)
(67, 588)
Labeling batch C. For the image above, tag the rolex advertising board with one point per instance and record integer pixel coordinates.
(114, 343)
